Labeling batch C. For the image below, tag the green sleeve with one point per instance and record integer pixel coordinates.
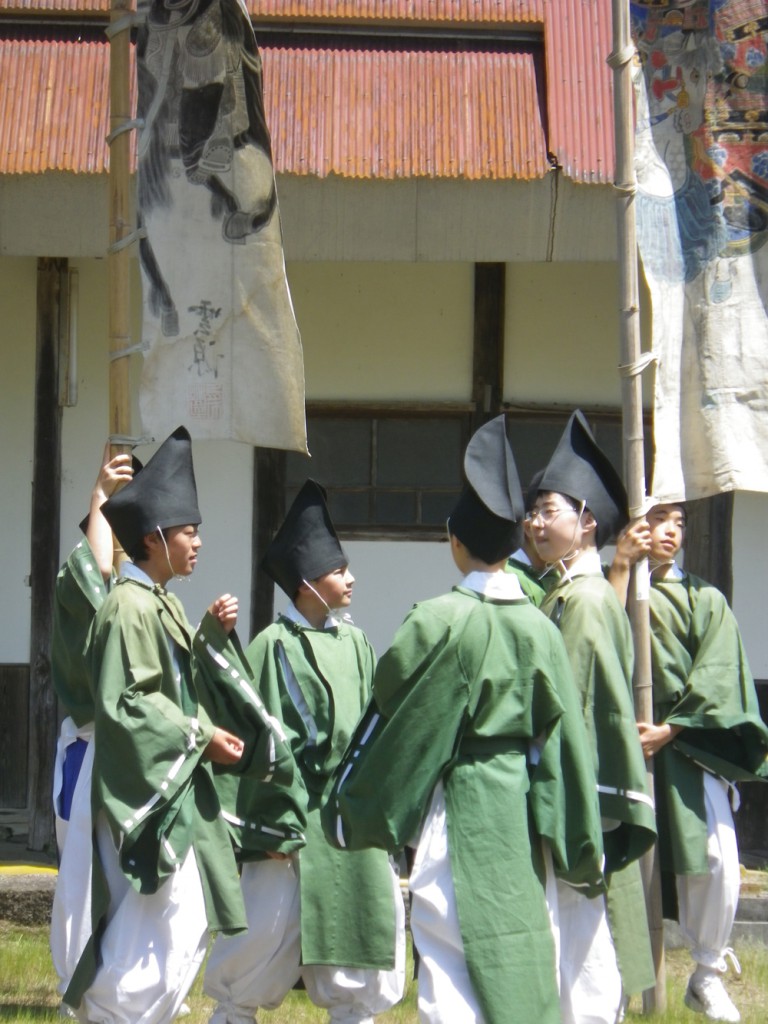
(702, 680)
(406, 739)
(227, 690)
(80, 591)
(563, 794)
(598, 640)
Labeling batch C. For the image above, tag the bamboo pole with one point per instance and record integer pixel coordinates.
(632, 364)
(120, 227)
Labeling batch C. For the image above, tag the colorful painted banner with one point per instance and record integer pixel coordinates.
(702, 215)
(222, 352)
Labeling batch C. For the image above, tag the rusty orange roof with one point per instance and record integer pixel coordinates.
(363, 105)
(580, 87)
(54, 106)
(382, 114)
(425, 12)
(375, 113)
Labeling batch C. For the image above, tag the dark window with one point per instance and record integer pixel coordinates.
(398, 474)
(388, 474)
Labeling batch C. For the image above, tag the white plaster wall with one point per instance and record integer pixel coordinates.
(385, 330)
(18, 281)
(561, 334)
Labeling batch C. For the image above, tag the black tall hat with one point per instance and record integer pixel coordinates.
(306, 545)
(579, 469)
(488, 516)
(163, 494)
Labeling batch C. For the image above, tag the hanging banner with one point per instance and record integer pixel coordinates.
(222, 352)
(702, 223)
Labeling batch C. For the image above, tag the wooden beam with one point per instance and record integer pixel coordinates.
(52, 285)
(268, 513)
(488, 342)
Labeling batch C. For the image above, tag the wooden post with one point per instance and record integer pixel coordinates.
(52, 318)
(488, 342)
(268, 513)
(632, 422)
(120, 223)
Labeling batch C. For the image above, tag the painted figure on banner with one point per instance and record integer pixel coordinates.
(218, 318)
(702, 169)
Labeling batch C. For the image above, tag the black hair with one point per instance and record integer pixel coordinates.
(139, 552)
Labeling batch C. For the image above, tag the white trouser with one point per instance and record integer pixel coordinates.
(590, 982)
(71, 913)
(707, 903)
(259, 967)
(68, 734)
(445, 989)
(152, 947)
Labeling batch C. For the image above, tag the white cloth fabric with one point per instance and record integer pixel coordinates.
(68, 734)
(445, 989)
(590, 982)
(152, 948)
(71, 912)
(259, 967)
(504, 586)
(707, 903)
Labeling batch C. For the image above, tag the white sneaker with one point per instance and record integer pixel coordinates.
(706, 994)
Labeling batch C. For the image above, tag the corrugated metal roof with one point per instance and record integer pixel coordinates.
(341, 87)
(578, 39)
(355, 113)
(387, 114)
(54, 107)
(429, 12)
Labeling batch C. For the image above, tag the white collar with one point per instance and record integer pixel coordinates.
(502, 585)
(293, 614)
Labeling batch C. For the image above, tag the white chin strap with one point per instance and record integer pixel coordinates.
(334, 616)
(174, 575)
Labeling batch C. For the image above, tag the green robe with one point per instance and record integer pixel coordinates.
(150, 776)
(532, 583)
(598, 639)
(347, 908)
(468, 685)
(80, 592)
(701, 682)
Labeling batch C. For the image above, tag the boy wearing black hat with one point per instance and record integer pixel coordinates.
(707, 734)
(473, 750)
(581, 505)
(335, 920)
(163, 868)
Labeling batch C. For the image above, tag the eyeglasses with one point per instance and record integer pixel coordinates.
(547, 516)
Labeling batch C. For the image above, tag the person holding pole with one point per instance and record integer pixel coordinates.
(163, 871)
(580, 506)
(706, 735)
(82, 585)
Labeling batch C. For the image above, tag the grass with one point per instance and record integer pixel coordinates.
(28, 988)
